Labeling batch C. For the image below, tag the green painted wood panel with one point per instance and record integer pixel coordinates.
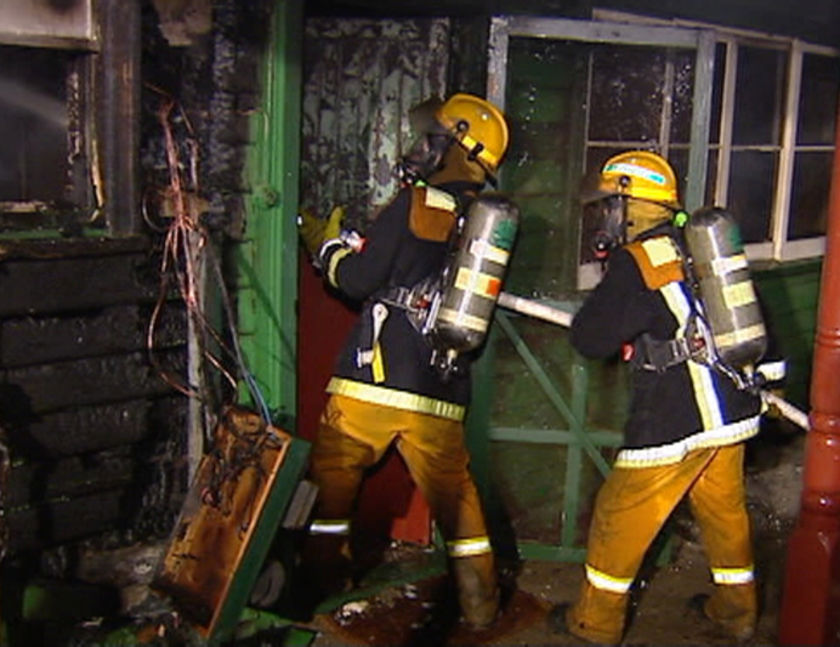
(789, 295)
(267, 258)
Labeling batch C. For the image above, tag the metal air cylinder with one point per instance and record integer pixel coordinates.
(726, 289)
(475, 274)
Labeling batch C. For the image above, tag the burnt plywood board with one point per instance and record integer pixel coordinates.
(226, 504)
(361, 77)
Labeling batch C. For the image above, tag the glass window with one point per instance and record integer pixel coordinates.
(818, 99)
(752, 179)
(717, 92)
(809, 199)
(759, 92)
(33, 124)
(626, 95)
(683, 95)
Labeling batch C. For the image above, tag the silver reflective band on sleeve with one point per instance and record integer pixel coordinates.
(733, 575)
(607, 582)
(468, 547)
(330, 527)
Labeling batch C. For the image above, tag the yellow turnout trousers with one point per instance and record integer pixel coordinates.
(354, 435)
(631, 508)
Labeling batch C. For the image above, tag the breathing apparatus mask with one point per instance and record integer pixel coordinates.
(477, 127)
(430, 143)
(610, 225)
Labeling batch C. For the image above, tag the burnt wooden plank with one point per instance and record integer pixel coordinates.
(26, 393)
(74, 284)
(35, 483)
(65, 520)
(54, 248)
(83, 430)
(111, 330)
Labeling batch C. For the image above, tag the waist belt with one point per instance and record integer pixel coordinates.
(660, 354)
(398, 296)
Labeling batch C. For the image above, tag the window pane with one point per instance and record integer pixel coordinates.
(758, 96)
(751, 181)
(545, 93)
(717, 92)
(809, 201)
(683, 94)
(33, 124)
(818, 99)
(711, 176)
(626, 98)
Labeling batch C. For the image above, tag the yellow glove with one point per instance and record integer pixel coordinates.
(311, 229)
(334, 222)
(314, 230)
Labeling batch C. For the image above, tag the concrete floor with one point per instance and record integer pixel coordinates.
(659, 616)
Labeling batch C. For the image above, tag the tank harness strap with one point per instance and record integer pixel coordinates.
(398, 296)
(659, 354)
(373, 356)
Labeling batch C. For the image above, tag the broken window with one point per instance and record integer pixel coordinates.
(48, 180)
(35, 115)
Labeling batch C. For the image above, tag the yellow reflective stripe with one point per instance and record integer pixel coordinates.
(674, 452)
(395, 398)
(335, 259)
(460, 318)
(725, 340)
(487, 252)
(605, 582)
(738, 294)
(705, 395)
(731, 576)
(438, 199)
(660, 251)
(329, 527)
(727, 264)
(484, 155)
(478, 283)
(468, 547)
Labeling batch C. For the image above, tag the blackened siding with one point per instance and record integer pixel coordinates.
(85, 413)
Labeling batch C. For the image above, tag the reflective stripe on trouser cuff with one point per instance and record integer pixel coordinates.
(607, 582)
(330, 527)
(468, 547)
(733, 575)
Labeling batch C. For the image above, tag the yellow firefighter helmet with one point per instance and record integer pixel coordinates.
(633, 192)
(479, 127)
(642, 175)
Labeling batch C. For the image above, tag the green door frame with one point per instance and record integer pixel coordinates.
(578, 438)
(268, 257)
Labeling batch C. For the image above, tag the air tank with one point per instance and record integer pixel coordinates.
(474, 274)
(720, 269)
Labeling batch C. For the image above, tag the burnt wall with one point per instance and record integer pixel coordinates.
(84, 409)
(97, 437)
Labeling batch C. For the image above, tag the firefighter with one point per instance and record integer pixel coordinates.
(385, 389)
(687, 423)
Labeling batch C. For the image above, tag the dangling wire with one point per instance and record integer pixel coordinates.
(184, 242)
